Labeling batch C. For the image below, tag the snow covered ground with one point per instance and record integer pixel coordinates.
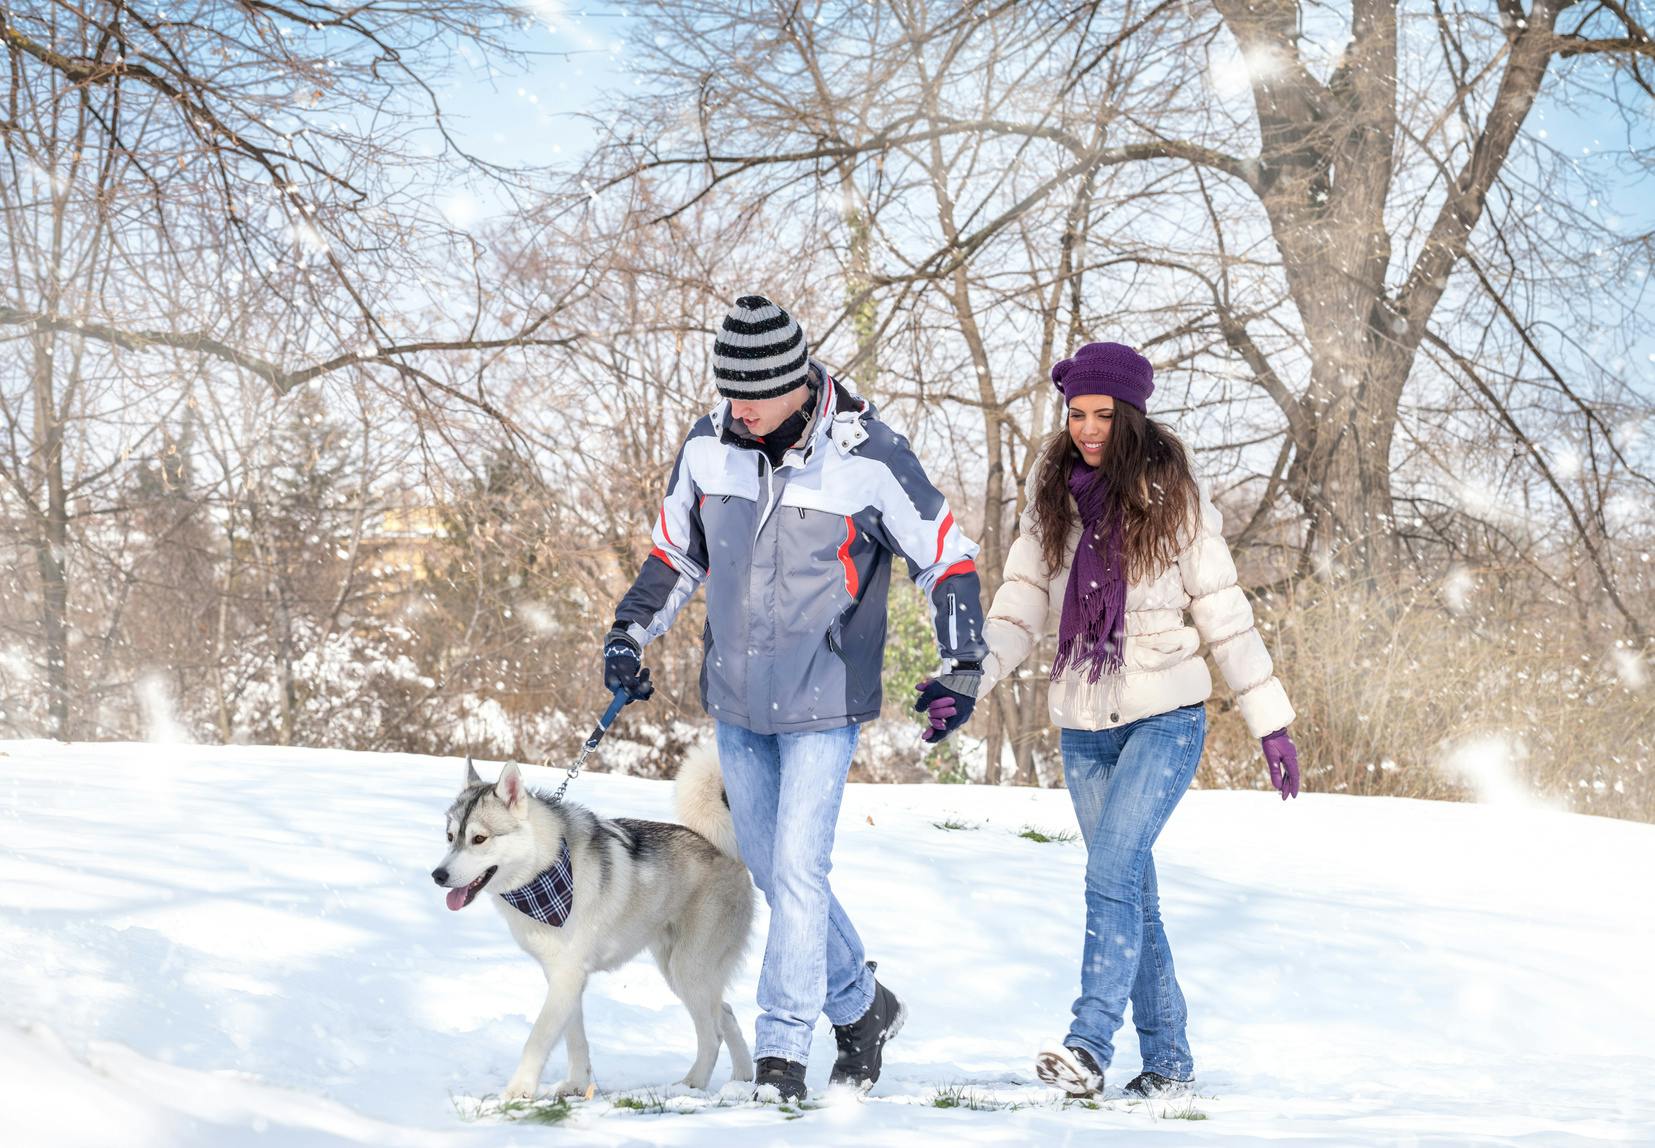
(227, 946)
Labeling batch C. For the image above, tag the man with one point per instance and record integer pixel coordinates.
(788, 501)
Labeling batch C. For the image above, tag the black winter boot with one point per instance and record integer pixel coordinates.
(862, 1042)
(787, 1077)
(1154, 1086)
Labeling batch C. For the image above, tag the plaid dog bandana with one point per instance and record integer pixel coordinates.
(550, 897)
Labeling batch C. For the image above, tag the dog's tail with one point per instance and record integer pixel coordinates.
(699, 796)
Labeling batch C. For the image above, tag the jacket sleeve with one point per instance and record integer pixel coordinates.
(676, 565)
(1224, 619)
(915, 523)
(1017, 617)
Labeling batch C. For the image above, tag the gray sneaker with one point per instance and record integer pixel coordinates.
(1071, 1069)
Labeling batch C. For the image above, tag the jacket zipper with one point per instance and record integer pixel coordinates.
(953, 624)
(769, 494)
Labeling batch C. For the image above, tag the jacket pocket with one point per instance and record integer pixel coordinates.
(836, 637)
(1161, 651)
(816, 572)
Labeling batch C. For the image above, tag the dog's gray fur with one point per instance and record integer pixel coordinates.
(638, 885)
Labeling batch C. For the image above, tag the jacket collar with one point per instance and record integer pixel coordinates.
(837, 414)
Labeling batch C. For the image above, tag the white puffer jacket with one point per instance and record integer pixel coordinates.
(1163, 666)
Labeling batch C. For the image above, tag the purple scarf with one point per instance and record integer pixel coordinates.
(1094, 602)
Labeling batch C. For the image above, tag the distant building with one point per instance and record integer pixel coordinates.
(394, 548)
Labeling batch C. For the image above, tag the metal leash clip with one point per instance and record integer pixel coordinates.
(622, 697)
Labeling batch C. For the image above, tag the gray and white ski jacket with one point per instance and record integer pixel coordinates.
(797, 562)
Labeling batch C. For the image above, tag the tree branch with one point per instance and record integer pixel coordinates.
(1530, 52)
(283, 381)
(1598, 562)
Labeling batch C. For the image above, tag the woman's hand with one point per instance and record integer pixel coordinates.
(946, 702)
(1283, 759)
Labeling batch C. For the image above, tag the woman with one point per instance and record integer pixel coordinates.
(1116, 544)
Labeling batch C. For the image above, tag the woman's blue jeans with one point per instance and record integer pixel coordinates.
(1125, 783)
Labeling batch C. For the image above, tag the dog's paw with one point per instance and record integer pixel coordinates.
(694, 1083)
(519, 1089)
(574, 1086)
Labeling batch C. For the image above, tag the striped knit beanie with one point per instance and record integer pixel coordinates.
(760, 352)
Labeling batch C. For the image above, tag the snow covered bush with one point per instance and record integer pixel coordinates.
(355, 687)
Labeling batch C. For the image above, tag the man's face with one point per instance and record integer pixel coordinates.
(761, 416)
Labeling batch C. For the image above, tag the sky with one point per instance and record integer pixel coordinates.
(532, 115)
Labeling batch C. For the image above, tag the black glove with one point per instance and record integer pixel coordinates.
(948, 701)
(623, 666)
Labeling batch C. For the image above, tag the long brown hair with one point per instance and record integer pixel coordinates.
(1149, 486)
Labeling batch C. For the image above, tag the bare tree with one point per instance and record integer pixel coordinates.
(229, 183)
(1368, 170)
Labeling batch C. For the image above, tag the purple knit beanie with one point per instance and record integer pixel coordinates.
(1106, 369)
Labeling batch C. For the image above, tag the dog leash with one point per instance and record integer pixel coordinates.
(604, 722)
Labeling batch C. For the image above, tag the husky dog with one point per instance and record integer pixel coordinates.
(680, 891)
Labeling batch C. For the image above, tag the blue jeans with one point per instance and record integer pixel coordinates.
(784, 791)
(1125, 783)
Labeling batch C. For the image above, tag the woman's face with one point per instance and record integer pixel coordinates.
(1090, 417)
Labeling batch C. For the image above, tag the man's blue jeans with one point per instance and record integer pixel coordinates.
(784, 791)
(1125, 783)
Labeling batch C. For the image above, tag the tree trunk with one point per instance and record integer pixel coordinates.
(54, 624)
(1022, 748)
(991, 556)
(52, 542)
(226, 725)
(288, 695)
(1341, 473)
(859, 294)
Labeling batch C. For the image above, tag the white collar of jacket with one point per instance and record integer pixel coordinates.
(843, 427)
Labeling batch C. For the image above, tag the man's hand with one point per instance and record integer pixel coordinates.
(623, 666)
(947, 701)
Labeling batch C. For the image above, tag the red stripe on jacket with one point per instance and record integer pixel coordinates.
(852, 583)
(942, 533)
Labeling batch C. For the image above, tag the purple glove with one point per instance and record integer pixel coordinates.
(947, 702)
(1283, 758)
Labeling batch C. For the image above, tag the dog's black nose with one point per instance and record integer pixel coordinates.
(440, 876)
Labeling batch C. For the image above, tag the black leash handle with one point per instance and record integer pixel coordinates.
(621, 698)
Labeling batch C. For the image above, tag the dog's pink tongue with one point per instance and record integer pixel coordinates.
(456, 898)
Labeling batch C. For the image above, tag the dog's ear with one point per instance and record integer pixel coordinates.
(471, 775)
(511, 790)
